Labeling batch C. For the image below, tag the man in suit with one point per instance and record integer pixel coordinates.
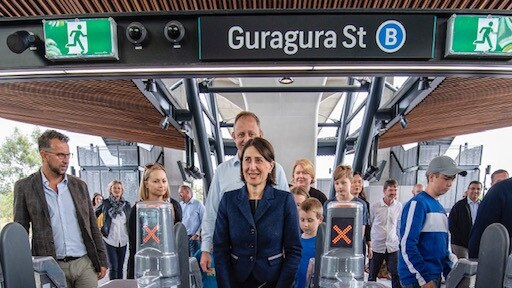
(462, 217)
(58, 208)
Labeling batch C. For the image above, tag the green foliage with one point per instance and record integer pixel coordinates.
(197, 188)
(19, 158)
(6, 202)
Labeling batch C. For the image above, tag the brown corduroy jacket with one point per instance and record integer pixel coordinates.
(31, 208)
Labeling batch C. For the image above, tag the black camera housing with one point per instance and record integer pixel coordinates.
(136, 33)
(174, 31)
(20, 41)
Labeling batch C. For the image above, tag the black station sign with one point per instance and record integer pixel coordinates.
(303, 37)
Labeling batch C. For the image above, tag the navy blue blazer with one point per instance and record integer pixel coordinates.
(266, 245)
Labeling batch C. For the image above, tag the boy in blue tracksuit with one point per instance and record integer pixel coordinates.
(424, 236)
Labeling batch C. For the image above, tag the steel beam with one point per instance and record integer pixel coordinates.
(368, 125)
(203, 88)
(344, 127)
(218, 145)
(200, 135)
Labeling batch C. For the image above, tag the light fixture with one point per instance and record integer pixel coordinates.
(403, 122)
(151, 85)
(19, 41)
(286, 80)
(423, 84)
(165, 123)
(182, 115)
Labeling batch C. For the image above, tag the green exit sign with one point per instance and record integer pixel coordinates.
(80, 39)
(479, 36)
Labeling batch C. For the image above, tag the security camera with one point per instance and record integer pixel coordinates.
(174, 31)
(136, 33)
(19, 41)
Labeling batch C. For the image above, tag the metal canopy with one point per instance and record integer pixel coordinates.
(133, 117)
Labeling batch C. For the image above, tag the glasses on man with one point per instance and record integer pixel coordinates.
(61, 156)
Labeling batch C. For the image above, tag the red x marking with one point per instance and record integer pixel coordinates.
(151, 234)
(342, 234)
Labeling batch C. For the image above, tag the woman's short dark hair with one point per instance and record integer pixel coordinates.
(266, 150)
(94, 198)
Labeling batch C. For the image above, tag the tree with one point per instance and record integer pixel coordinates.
(19, 157)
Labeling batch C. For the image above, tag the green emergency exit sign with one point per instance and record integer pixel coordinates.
(81, 39)
(480, 36)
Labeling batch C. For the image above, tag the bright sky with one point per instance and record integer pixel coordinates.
(76, 139)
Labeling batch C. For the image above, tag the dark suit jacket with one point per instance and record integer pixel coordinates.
(107, 220)
(460, 223)
(30, 207)
(243, 244)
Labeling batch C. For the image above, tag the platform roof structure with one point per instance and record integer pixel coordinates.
(118, 108)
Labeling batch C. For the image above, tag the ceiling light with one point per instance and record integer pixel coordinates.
(165, 123)
(151, 85)
(424, 83)
(403, 122)
(286, 80)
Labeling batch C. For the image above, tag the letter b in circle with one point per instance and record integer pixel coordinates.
(390, 36)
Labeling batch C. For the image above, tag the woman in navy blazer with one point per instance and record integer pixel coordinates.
(257, 239)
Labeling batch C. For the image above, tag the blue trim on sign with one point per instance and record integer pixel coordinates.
(199, 36)
(434, 37)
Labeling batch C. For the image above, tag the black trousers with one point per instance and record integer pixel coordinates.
(392, 262)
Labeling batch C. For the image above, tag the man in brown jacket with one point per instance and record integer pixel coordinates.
(58, 208)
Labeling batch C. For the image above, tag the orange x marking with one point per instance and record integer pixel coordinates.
(151, 234)
(342, 234)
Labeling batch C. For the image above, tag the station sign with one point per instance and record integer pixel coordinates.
(305, 37)
(80, 39)
(479, 36)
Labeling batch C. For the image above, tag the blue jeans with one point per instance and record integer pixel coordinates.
(116, 260)
(193, 246)
(391, 261)
(437, 282)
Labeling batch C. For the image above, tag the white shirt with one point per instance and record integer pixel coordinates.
(227, 178)
(67, 235)
(193, 212)
(118, 235)
(473, 208)
(384, 220)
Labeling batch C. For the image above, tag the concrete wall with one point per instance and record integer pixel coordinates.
(171, 156)
(289, 120)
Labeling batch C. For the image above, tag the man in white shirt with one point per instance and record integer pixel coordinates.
(227, 178)
(193, 212)
(384, 217)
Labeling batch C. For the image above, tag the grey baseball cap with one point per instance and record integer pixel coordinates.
(445, 165)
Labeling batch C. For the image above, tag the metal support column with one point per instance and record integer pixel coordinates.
(341, 144)
(200, 135)
(368, 125)
(219, 142)
(343, 129)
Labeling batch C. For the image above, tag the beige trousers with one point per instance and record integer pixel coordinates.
(79, 273)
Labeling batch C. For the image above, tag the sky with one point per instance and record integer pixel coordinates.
(496, 151)
(75, 139)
